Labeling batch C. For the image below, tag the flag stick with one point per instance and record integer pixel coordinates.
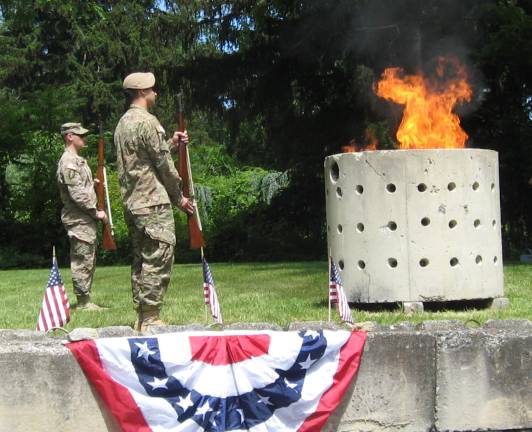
(204, 304)
(329, 287)
(53, 254)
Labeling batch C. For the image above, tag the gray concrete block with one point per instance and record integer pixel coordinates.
(401, 326)
(253, 326)
(484, 380)
(441, 325)
(394, 390)
(511, 324)
(155, 330)
(22, 335)
(116, 331)
(316, 325)
(43, 388)
(412, 307)
(499, 303)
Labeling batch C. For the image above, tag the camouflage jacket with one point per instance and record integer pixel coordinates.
(76, 188)
(146, 170)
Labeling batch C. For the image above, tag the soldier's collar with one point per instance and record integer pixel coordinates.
(137, 106)
(72, 153)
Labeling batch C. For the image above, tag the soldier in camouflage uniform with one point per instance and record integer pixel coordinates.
(79, 214)
(149, 184)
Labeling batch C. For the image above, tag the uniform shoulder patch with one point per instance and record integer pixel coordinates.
(72, 166)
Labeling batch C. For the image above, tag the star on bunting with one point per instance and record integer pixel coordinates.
(289, 384)
(144, 351)
(204, 409)
(265, 400)
(307, 363)
(158, 383)
(312, 333)
(185, 402)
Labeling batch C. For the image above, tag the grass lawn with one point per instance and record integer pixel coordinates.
(256, 292)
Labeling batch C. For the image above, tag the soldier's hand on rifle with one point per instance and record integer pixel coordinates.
(180, 137)
(186, 205)
(100, 215)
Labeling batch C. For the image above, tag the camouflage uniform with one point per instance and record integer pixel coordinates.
(149, 184)
(78, 215)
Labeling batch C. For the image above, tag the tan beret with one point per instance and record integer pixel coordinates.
(139, 81)
(74, 128)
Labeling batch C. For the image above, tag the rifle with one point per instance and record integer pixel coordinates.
(103, 196)
(194, 222)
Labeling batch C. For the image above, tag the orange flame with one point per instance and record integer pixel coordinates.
(371, 140)
(351, 147)
(428, 120)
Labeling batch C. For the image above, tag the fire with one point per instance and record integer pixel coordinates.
(370, 143)
(371, 140)
(428, 120)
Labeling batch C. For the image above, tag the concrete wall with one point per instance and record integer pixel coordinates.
(439, 376)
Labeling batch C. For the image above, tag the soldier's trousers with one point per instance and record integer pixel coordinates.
(152, 234)
(82, 265)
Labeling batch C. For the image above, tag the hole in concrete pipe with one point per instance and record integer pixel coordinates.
(341, 264)
(335, 172)
(495, 259)
(328, 228)
(475, 186)
(454, 262)
(493, 187)
(340, 228)
(493, 223)
(424, 262)
(476, 223)
(390, 187)
(392, 226)
(452, 223)
(392, 262)
(425, 221)
(478, 259)
(451, 186)
(339, 192)
(360, 227)
(359, 189)
(422, 187)
(361, 265)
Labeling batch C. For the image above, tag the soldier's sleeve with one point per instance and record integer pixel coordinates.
(159, 152)
(82, 197)
(173, 148)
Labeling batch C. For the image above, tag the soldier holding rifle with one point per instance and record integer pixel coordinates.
(80, 213)
(149, 184)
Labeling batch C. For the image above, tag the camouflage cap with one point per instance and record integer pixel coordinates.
(139, 81)
(74, 128)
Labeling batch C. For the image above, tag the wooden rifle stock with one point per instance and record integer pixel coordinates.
(194, 222)
(102, 192)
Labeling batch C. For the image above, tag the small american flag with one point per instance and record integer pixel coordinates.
(55, 309)
(337, 294)
(209, 291)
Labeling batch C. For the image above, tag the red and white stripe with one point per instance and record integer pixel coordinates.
(343, 305)
(211, 299)
(55, 308)
(333, 292)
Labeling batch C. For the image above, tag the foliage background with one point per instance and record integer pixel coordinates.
(272, 87)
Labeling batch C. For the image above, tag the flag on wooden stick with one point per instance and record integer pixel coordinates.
(55, 309)
(209, 292)
(337, 295)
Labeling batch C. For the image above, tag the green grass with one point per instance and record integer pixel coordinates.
(257, 292)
